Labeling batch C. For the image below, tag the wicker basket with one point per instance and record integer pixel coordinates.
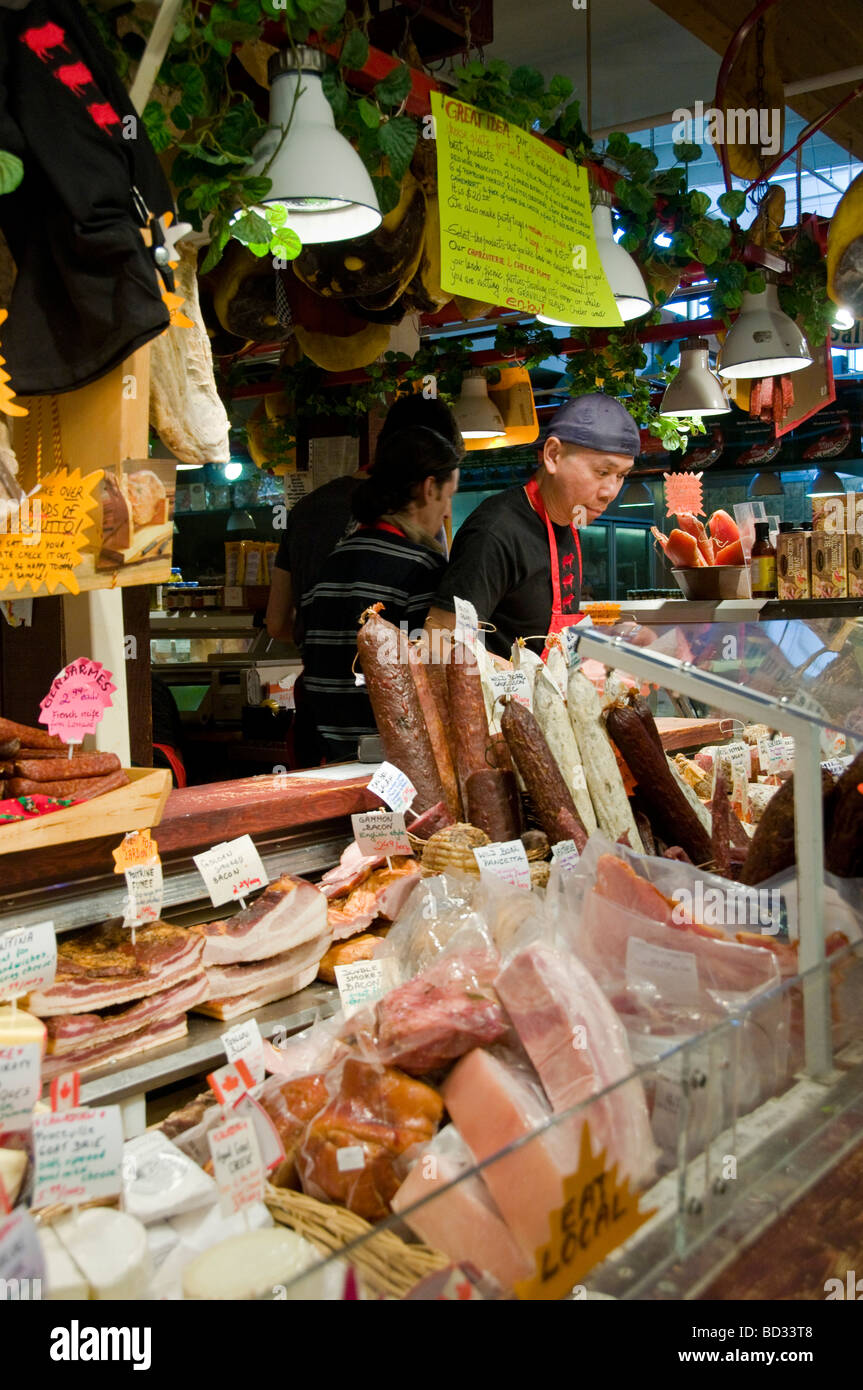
(386, 1265)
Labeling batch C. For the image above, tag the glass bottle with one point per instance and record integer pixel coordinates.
(763, 563)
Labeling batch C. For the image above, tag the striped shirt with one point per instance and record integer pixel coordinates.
(376, 564)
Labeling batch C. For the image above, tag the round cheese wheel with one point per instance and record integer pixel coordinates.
(259, 1264)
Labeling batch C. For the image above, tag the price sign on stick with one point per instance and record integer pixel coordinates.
(232, 870)
(78, 698)
(244, 1041)
(28, 960)
(230, 1082)
(507, 860)
(393, 787)
(237, 1164)
(20, 1084)
(79, 1156)
(381, 832)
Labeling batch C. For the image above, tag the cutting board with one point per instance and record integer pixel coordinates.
(691, 733)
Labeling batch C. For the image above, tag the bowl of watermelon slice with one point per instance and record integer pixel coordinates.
(707, 561)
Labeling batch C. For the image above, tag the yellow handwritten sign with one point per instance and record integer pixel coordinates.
(44, 549)
(597, 1215)
(516, 225)
(138, 847)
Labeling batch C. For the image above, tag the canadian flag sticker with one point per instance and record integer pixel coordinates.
(66, 1091)
(229, 1083)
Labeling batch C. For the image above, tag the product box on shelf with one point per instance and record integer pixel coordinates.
(829, 564)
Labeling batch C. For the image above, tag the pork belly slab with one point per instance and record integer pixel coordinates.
(228, 981)
(288, 913)
(100, 967)
(254, 999)
(71, 1033)
(102, 1054)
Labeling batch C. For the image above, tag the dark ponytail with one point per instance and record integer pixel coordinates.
(402, 463)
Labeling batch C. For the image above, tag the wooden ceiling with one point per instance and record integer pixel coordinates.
(811, 40)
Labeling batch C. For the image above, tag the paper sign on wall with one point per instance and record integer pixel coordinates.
(381, 832)
(393, 787)
(364, 982)
(79, 1156)
(683, 494)
(244, 1042)
(20, 1250)
(77, 699)
(20, 1084)
(516, 222)
(28, 959)
(507, 860)
(237, 1164)
(231, 870)
(43, 555)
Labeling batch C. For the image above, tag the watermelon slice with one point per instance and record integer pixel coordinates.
(723, 530)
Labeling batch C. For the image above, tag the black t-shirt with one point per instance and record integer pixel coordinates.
(314, 527)
(500, 562)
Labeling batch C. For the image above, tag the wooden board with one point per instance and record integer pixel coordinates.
(137, 806)
(690, 733)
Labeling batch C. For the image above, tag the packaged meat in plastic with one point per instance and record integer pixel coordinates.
(441, 1013)
(441, 906)
(349, 1150)
(464, 1221)
(578, 1046)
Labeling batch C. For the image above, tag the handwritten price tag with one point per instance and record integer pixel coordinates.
(271, 1148)
(79, 1156)
(28, 959)
(364, 982)
(78, 698)
(244, 1043)
(20, 1084)
(569, 643)
(138, 847)
(514, 683)
(20, 1252)
(381, 832)
(231, 870)
(787, 744)
(230, 1082)
(145, 891)
(565, 854)
(507, 860)
(393, 787)
(466, 622)
(237, 1164)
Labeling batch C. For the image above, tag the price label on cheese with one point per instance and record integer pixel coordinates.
(364, 982)
(231, 1082)
(466, 621)
(21, 1252)
(381, 832)
(144, 893)
(231, 870)
(244, 1042)
(511, 683)
(393, 787)
(20, 1084)
(237, 1164)
(565, 854)
(28, 960)
(79, 1156)
(506, 860)
(271, 1148)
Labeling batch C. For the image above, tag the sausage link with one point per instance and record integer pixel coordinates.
(57, 769)
(542, 776)
(489, 806)
(30, 738)
(436, 731)
(467, 712)
(80, 788)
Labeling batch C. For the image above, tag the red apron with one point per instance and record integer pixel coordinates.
(559, 619)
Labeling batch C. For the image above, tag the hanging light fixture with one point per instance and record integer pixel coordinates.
(476, 414)
(232, 470)
(766, 485)
(763, 341)
(621, 271)
(635, 494)
(316, 175)
(695, 391)
(827, 484)
(843, 319)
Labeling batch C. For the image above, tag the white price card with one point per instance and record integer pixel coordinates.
(466, 622)
(764, 759)
(514, 683)
(364, 982)
(381, 832)
(787, 745)
(28, 960)
(351, 1158)
(393, 787)
(231, 870)
(21, 1253)
(144, 889)
(20, 1084)
(569, 642)
(835, 765)
(737, 754)
(79, 1156)
(673, 973)
(237, 1164)
(244, 1041)
(269, 1141)
(230, 1082)
(565, 854)
(507, 860)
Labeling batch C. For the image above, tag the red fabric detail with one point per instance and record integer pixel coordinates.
(559, 618)
(177, 765)
(103, 114)
(43, 40)
(75, 76)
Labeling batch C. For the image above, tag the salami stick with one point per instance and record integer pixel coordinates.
(62, 769)
(79, 788)
(467, 712)
(542, 776)
(30, 738)
(436, 731)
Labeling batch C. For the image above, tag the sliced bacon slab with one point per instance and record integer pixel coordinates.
(228, 981)
(105, 1054)
(69, 1033)
(255, 999)
(288, 913)
(100, 967)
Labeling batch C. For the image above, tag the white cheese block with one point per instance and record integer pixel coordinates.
(63, 1278)
(159, 1180)
(110, 1249)
(18, 1027)
(258, 1265)
(13, 1166)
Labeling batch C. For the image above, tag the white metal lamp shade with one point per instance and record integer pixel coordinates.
(695, 391)
(635, 494)
(766, 485)
(763, 341)
(476, 414)
(621, 272)
(827, 484)
(316, 174)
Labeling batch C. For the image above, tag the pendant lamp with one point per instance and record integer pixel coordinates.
(315, 173)
(763, 341)
(621, 271)
(476, 414)
(695, 391)
(635, 494)
(766, 485)
(827, 484)
(843, 319)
